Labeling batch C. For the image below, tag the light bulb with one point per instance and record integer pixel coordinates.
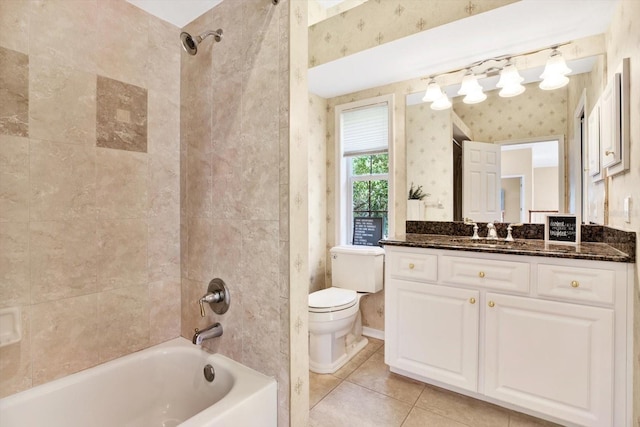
(433, 91)
(441, 103)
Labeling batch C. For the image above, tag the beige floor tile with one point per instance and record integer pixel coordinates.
(462, 408)
(320, 385)
(375, 375)
(364, 354)
(350, 405)
(421, 418)
(521, 420)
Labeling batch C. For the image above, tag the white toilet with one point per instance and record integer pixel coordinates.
(335, 328)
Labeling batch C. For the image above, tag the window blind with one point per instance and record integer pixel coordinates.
(365, 130)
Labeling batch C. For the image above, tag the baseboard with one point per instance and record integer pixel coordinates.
(373, 333)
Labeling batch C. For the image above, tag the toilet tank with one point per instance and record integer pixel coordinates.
(360, 268)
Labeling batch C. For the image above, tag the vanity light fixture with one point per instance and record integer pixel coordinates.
(510, 81)
(555, 72)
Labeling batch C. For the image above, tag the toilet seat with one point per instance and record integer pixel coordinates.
(332, 299)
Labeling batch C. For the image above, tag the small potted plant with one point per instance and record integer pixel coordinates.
(415, 205)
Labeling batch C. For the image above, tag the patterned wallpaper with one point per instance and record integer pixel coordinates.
(429, 154)
(623, 40)
(380, 21)
(534, 113)
(317, 192)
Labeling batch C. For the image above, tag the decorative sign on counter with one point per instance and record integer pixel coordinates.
(367, 231)
(563, 229)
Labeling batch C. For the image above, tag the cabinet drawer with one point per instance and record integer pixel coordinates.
(485, 273)
(413, 266)
(576, 284)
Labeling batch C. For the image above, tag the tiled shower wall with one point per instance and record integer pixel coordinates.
(235, 183)
(89, 184)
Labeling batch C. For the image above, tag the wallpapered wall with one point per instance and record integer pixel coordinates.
(318, 250)
(380, 21)
(623, 40)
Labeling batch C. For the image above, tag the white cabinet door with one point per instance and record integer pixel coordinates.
(433, 332)
(551, 357)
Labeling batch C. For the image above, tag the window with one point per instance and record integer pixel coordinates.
(364, 189)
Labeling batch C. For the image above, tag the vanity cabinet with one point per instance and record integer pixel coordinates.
(546, 336)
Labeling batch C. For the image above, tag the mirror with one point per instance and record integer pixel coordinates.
(531, 130)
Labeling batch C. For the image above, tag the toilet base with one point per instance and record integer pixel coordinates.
(351, 350)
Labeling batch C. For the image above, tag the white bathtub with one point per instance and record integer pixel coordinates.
(161, 386)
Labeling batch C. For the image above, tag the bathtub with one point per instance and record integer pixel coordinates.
(161, 386)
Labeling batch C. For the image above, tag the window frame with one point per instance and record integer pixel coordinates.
(344, 178)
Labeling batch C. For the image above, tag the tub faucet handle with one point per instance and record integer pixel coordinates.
(217, 297)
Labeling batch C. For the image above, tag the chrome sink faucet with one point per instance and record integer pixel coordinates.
(509, 237)
(469, 221)
(213, 331)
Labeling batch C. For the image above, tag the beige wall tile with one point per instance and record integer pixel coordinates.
(199, 183)
(15, 361)
(122, 253)
(123, 325)
(163, 186)
(14, 92)
(14, 264)
(164, 247)
(62, 181)
(121, 184)
(121, 115)
(163, 58)
(122, 42)
(62, 103)
(14, 178)
(63, 32)
(199, 250)
(64, 338)
(163, 126)
(259, 273)
(227, 250)
(14, 21)
(164, 310)
(63, 259)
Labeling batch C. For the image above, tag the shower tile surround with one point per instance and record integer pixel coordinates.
(244, 189)
(89, 234)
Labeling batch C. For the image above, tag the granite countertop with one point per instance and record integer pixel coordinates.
(533, 247)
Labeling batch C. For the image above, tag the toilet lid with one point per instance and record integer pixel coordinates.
(336, 298)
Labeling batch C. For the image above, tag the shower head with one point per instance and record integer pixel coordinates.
(190, 43)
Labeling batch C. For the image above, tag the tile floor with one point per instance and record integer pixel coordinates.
(364, 393)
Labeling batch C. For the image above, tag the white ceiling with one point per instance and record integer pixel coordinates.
(519, 27)
(176, 12)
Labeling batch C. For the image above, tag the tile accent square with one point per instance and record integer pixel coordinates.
(121, 116)
(14, 93)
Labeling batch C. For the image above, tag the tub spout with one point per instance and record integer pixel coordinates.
(213, 331)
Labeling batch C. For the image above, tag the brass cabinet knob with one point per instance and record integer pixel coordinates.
(481, 274)
(411, 266)
(575, 284)
(492, 304)
(472, 300)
